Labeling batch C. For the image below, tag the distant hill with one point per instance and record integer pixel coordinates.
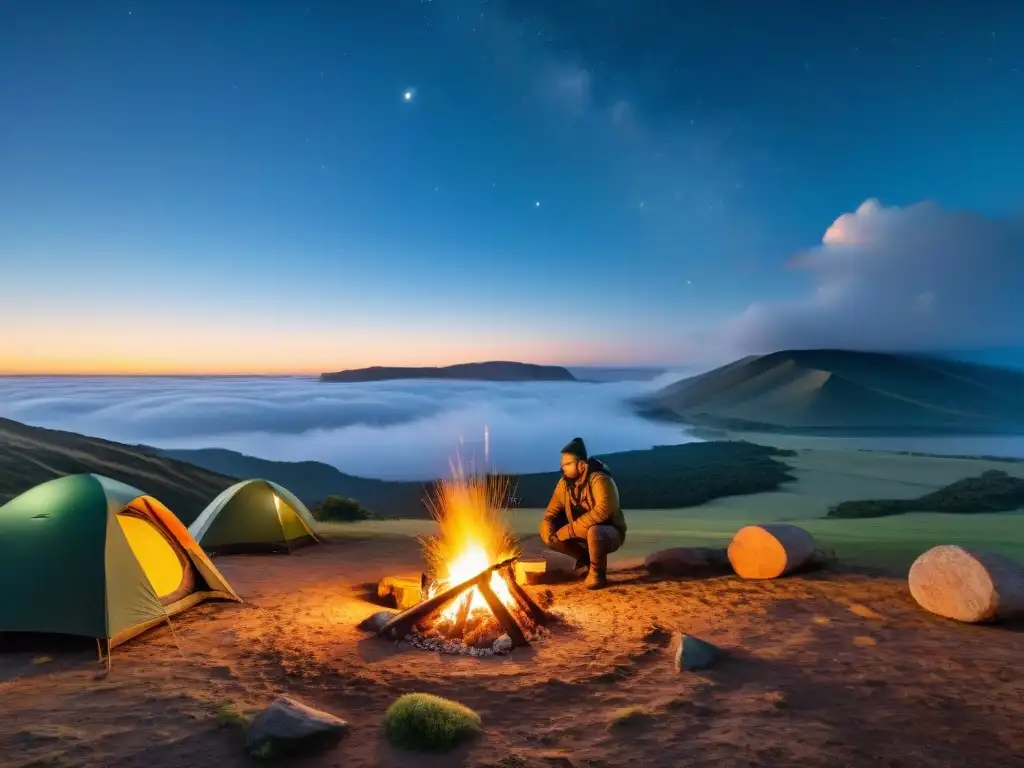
(32, 455)
(839, 392)
(489, 371)
(311, 481)
(611, 373)
(664, 477)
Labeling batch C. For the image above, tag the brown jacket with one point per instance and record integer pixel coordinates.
(591, 500)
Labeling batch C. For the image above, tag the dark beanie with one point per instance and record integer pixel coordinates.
(576, 448)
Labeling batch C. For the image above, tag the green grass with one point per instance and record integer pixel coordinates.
(230, 716)
(428, 723)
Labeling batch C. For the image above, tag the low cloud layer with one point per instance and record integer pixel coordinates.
(890, 278)
(390, 430)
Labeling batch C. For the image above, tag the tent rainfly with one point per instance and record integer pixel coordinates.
(90, 556)
(254, 516)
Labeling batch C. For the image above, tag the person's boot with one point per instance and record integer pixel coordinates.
(582, 567)
(596, 578)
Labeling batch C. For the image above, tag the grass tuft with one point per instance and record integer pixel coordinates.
(428, 723)
(230, 716)
(630, 716)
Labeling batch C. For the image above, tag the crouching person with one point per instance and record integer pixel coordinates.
(584, 518)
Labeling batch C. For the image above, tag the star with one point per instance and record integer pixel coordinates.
(407, 96)
(537, 204)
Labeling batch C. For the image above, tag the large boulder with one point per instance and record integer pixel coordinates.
(688, 561)
(967, 585)
(288, 727)
(770, 551)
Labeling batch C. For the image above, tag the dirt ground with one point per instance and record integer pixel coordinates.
(821, 670)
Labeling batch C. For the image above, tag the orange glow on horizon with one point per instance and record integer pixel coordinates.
(255, 352)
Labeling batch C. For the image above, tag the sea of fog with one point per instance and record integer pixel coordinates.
(399, 430)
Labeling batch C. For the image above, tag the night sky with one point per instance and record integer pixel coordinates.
(202, 186)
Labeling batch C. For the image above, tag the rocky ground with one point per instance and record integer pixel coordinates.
(827, 669)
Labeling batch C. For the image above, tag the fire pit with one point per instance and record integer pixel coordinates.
(454, 618)
(473, 605)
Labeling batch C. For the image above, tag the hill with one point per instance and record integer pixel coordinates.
(665, 477)
(489, 371)
(32, 455)
(840, 392)
(311, 481)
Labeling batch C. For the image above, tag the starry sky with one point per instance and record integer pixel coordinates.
(214, 186)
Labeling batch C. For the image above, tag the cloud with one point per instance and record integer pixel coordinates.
(889, 278)
(391, 430)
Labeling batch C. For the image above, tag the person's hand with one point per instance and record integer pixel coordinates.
(564, 533)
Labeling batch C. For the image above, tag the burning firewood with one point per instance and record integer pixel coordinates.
(473, 595)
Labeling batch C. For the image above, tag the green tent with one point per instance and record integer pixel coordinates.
(87, 555)
(254, 516)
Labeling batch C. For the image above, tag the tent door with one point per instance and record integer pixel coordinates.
(163, 561)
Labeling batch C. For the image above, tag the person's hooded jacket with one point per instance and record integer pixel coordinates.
(592, 499)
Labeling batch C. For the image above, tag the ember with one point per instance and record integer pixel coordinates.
(473, 598)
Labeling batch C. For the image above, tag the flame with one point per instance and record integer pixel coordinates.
(473, 533)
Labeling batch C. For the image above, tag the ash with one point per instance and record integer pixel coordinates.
(478, 645)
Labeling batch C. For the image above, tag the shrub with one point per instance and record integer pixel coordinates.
(991, 491)
(429, 723)
(340, 509)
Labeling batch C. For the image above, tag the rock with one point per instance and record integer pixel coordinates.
(967, 585)
(693, 653)
(769, 551)
(376, 622)
(688, 561)
(530, 571)
(502, 645)
(289, 727)
(406, 591)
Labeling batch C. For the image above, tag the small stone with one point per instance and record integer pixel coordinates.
(693, 653)
(289, 727)
(502, 645)
(376, 622)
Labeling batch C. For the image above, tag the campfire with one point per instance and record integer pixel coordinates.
(472, 602)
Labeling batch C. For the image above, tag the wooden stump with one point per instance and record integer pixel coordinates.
(530, 571)
(769, 551)
(405, 590)
(967, 585)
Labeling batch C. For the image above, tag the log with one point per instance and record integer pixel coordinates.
(530, 571)
(688, 561)
(406, 591)
(400, 625)
(462, 618)
(967, 585)
(525, 602)
(506, 619)
(769, 551)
